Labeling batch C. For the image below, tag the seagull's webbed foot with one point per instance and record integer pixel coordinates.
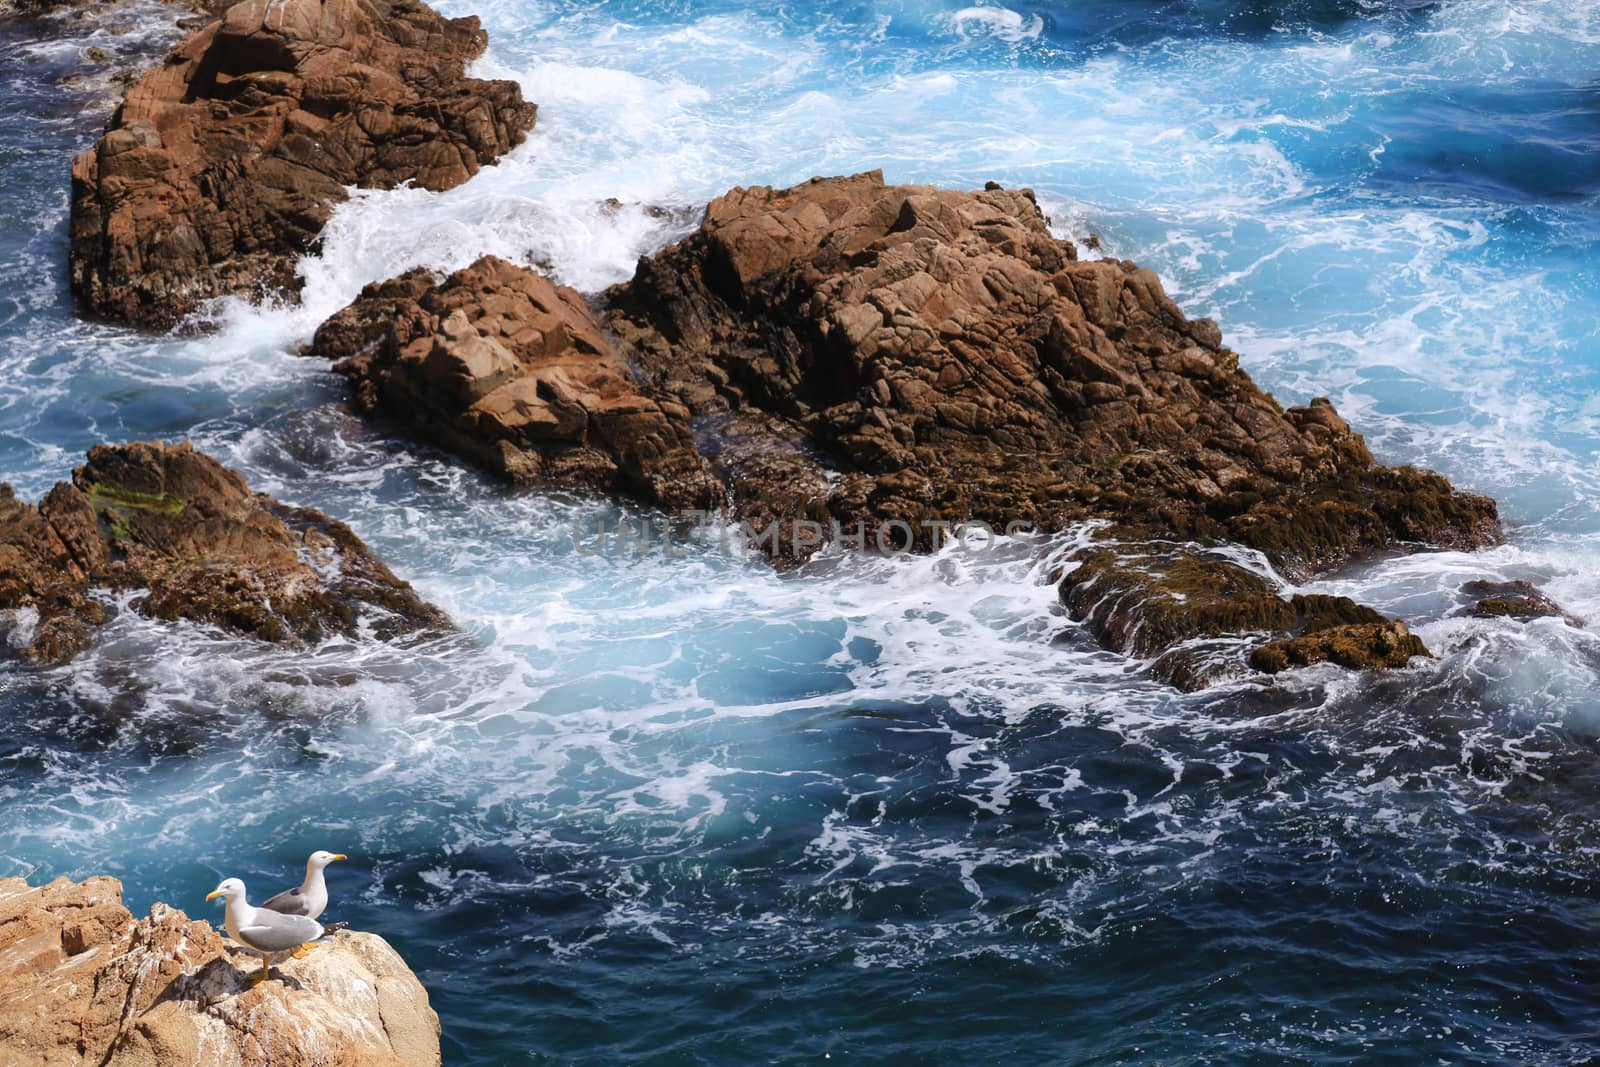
(304, 950)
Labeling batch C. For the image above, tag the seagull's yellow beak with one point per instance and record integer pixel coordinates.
(340, 856)
(214, 894)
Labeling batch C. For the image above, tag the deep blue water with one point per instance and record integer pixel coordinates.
(892, 810)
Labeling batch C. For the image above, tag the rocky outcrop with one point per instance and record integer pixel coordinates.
(199, 545)
(853, 356)
(954, 360)
(1186, 608)
(82, 982)
(224, 162)
(1388, 644)
(1520, 600)
(512, 371)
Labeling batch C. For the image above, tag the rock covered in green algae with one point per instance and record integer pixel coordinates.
(1520, 600)
(187, 532)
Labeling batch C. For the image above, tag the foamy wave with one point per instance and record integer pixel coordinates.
(1001, 23)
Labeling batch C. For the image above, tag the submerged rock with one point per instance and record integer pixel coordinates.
(82, 982)
(224, 162)
(512, 371)
(1186, 610)
(1520, 600)
(199, 545)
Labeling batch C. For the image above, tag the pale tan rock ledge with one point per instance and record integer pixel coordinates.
(82, 982)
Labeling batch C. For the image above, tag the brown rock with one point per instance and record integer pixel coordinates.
(223, 163)
(1362, 647)
(511, 370)
(82, 982)
(877, 359)
(175, 523)
(1520, 600)
(952, 360)
(1169, 604)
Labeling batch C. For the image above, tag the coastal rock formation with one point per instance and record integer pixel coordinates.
(511, 370)
(82, 982)
(1387, 644)
(954, 360)
(851, 356)
(1185, 609)
(224, 162)
(198, 544)
(1520, 600)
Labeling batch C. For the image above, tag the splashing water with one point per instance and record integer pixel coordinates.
(674, 810)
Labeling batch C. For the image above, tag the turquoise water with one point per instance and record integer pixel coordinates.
(684, 810)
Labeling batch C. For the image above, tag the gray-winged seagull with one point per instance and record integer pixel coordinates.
(261, 931)
(310, 897)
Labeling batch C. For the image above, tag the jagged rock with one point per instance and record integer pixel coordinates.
(511, 370)
(82, 982)
(1168, 603)
(224, 162)
(1520, 600)
(187, 531)
(856, 356)
(953, 360)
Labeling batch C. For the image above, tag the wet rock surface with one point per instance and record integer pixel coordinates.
(852, 355)
(1185, 608)
(197, 544)
(953, 360)
(225, 160)
(1388, 644)
(503, 366)
(81, 981)
(1518, 599)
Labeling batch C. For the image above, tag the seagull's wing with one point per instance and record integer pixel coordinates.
(271, 931)
(290, 902)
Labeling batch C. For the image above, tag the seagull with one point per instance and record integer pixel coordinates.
(261, 931)
(310, 897)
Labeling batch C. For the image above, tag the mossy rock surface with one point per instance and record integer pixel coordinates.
(203, 548)
(1387, 645)
(1174, 603)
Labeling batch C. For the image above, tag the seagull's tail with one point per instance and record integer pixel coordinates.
(331, 928)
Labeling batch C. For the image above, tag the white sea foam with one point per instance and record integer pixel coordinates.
(652, 704)
(998, 22)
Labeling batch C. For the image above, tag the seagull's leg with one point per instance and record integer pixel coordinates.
(266, 968)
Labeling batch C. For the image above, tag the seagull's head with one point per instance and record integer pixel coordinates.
(320, 859)
(230, 889)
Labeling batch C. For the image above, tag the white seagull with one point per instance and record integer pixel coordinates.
(310, 897)
(259, 930)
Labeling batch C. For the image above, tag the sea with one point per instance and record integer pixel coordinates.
(675, 807)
